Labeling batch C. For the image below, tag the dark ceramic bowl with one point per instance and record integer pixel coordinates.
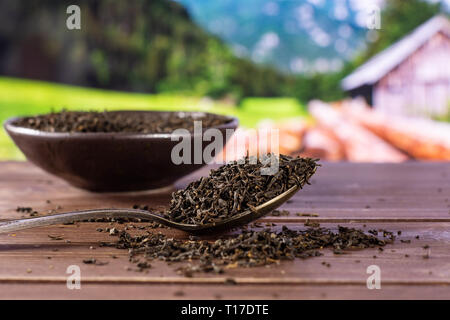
(108, 161)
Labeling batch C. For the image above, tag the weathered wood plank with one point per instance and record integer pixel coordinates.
(412, 197)
(409, 190)
(237, 292)
(26, 255)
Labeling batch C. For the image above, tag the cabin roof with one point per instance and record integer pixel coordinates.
(379, 65)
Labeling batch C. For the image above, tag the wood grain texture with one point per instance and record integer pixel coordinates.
(411, 197)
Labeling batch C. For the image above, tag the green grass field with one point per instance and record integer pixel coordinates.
(27, 97)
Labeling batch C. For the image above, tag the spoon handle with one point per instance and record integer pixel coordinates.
(69, 217)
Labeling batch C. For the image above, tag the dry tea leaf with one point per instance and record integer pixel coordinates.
(78, 121)
(236, 187)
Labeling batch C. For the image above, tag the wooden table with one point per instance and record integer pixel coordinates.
(411, 197)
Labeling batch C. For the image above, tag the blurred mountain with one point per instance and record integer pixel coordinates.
(200, 47)
(137, 45)
(296, 36)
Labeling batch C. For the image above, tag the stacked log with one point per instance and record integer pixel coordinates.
(234, 149)
(291, 133)
(346, 130)
(360, 144)
(319, 143)
(284, 137)
(421, 138)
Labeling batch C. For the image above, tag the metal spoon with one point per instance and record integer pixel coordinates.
(69, 217)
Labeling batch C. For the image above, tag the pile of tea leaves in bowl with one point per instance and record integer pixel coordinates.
(117, 121)
(238, 186)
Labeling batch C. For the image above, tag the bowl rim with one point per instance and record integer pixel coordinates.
(11, 127)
